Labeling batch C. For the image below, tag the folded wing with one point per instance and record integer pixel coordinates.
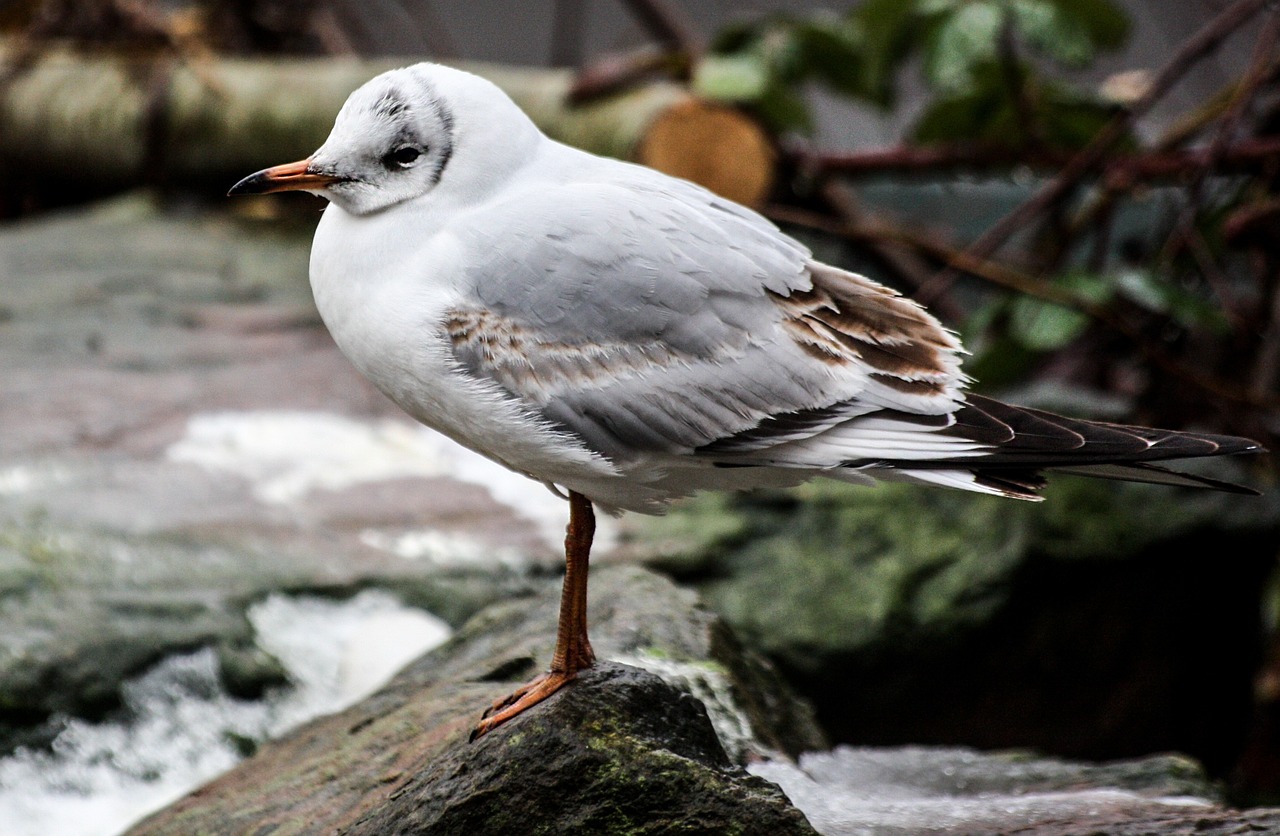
(653, 321)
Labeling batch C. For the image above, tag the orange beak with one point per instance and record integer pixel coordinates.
(283, 178)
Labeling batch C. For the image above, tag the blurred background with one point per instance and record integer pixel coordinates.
(1086, 190)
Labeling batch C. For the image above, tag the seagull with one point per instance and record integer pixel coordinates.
(629, 338)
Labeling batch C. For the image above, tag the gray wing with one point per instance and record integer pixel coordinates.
(652, 316)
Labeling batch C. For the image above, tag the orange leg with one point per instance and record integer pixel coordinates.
(573, 648)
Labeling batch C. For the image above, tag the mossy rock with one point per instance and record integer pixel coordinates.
(622, 753)
(634, 745)
(1108, 621)
(834, 568)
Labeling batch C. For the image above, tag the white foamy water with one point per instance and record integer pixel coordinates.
(287, 454)
(100, 778)
(904, 791)
(23, 478)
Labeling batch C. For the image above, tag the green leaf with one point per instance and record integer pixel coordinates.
(1044, 326)
(1105, 23)
(939, 7)
(737, 36)
(983, 113)
(1035, 20)
(1041, 325)
(1048, 30)
(832, 50)
(1070, 120)
(1192, 311)
(1158, 294)
(784, 109)
(741, 77)
(1002, 361)
(987, 113)
(967, 118)
(887, 31)
(1089, 287)
(962, 40)
(781, 48)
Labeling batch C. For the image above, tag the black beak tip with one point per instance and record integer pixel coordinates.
(249, 185)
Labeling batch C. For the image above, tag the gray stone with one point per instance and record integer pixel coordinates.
(936, 616)
(652, 741)
(914, 789)
(84, 610)
(122, 540)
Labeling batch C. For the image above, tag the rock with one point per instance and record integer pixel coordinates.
(620, 750)
(914, 789)
(84, 609)
(1102, 623)
(182, 438)
(625, 750)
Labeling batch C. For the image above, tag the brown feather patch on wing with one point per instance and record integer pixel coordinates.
(482, 338)
(845, 318)
(919, 388)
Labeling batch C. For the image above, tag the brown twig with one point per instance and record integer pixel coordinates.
(1215, 278)
(1015, 78)
(1018, 281)
(1266, 368)
(324, 24)
(1101, 217)
(1246, 91)
(1187, 127)
(678, 49)
(1251, 220)
(435, 32)
(568, 18)
(1244, 157)
(619, 70)
(1191, 51)
(669, 24)
(880, 232)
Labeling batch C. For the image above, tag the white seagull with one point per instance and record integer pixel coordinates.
(628, 338)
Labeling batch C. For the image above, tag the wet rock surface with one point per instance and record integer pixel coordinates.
(912, 790)
(630, 749)
(181, 439)
(1112, 620)
(622, 750)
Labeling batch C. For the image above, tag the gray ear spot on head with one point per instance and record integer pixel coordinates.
(391, 105)
(445, 149)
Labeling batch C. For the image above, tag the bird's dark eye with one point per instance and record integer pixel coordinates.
(405, 155)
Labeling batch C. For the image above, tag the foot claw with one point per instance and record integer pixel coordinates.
(518, 701)
(514, 696)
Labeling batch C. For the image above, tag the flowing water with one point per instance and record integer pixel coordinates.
(183, 728)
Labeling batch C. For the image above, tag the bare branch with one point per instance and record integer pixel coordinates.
(1245, 157)
(568, 19)
(1191, 51)
(668, 22)
(1026, 284)
(1263, 53)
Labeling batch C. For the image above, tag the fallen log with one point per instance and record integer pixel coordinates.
(116, 118)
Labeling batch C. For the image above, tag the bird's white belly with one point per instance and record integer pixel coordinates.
(387, 318)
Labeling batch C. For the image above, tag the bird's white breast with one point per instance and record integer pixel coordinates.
(384, 295)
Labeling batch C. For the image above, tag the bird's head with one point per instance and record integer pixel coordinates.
(405, 134)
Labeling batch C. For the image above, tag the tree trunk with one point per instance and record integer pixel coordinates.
(117, 118)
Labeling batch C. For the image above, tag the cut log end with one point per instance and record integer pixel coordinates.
(712, 145)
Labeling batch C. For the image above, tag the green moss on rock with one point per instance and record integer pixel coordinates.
(830, 568)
